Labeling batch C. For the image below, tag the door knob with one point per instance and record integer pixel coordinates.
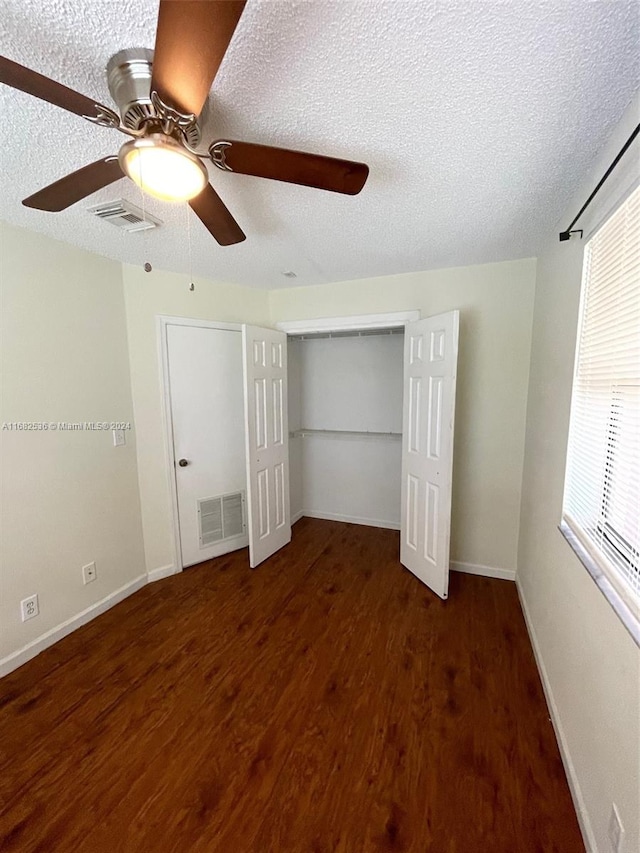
(183, 463)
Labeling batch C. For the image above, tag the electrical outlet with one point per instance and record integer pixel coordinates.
(29, 607)
(89, 573)
(616, 830)
(118, 438)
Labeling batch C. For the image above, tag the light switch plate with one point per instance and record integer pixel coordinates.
(118, 438)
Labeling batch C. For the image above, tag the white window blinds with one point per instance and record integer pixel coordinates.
(602, 485)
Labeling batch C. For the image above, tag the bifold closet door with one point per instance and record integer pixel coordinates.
(267, 441)
(430, 363)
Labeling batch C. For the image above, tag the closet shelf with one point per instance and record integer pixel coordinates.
(346, 434)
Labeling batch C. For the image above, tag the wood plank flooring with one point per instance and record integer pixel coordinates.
(326, 701)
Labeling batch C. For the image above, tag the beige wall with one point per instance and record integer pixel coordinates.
(591, 663)
(67, 497)
(496, 306)
(148, 295)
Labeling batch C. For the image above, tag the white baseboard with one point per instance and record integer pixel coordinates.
(16, 659)
(296, 517)
(162, 572)
(485, 571)
(574, 785)
(352, 519)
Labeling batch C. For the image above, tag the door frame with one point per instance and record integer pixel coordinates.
(351, 323)
(163, 322)
(355, 323)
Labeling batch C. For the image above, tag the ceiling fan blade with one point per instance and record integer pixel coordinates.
(76, 186)
(19, 77)
(294, 167)
(191, 41)
(215, 216)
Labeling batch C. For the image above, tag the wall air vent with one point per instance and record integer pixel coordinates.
(221, 518)
(125, 215)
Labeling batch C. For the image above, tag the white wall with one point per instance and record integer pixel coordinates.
(591, 663)
(352, 383)
(68, 497)
(148, 295)
(496, 309)
(353, 480)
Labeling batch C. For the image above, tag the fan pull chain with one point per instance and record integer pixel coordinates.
(145, 237)
(192, 286)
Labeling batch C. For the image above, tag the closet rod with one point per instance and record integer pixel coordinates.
(345, 433)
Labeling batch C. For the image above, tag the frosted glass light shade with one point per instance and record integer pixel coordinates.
(161, 167)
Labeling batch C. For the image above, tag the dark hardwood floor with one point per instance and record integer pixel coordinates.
(326, 701)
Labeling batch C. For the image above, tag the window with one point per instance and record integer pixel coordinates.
(601, 504)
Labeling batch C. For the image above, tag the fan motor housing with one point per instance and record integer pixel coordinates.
(129, 80)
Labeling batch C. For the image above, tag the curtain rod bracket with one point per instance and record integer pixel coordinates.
(566, 235)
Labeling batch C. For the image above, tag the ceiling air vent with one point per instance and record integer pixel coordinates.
(125, 215)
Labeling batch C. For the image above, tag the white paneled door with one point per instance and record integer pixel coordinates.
(430, 362)
(206, 414)
(267, 441)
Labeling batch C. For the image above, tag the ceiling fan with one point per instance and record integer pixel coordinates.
(160, 96)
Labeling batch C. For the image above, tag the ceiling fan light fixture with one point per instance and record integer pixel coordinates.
(163, 168)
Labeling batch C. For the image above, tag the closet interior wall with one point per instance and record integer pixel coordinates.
(345, 426)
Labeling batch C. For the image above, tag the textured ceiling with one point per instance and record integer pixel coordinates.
(477, 120)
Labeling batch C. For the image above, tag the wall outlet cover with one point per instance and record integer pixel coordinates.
(118, 438)
(89, 573)
(29, 607)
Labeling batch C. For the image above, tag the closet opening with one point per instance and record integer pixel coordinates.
(345, 397)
